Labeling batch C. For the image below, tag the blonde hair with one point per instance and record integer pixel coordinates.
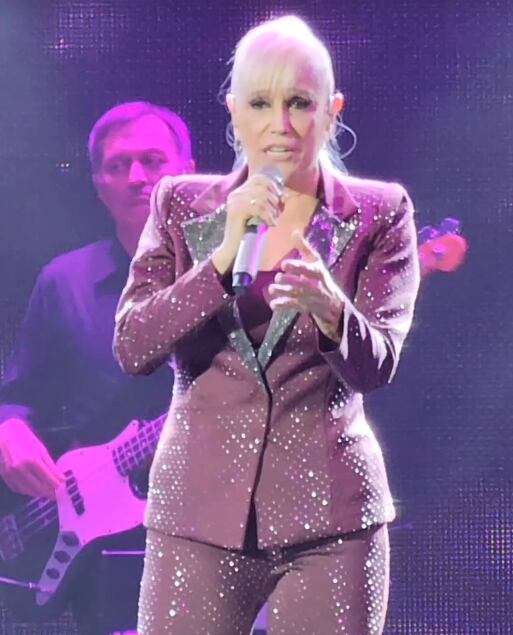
(268, 55)
(270, 52)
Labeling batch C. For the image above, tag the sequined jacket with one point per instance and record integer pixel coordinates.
(284, 425)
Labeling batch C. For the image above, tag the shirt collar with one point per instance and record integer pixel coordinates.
(112, 262)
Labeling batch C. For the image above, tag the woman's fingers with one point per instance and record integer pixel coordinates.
(306, 250)
(302, 268)
(295, 285)
(304, 288)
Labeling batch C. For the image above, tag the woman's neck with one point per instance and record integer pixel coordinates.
(297, 209)
(305, 183)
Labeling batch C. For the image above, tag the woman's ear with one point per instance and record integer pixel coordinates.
(336, 106)
(337, 103)
(230, 103)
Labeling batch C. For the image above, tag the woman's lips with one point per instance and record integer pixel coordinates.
(279, 152)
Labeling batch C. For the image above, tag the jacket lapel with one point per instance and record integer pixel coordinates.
(202, 235)
(329, 232)
(204, 232)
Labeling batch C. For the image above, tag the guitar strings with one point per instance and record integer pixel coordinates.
(45, 510)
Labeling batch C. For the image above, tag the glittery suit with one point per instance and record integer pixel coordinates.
(281, 428)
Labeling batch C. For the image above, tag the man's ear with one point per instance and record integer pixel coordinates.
(97, 183)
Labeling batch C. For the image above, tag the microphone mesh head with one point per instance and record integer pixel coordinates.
(273, 172)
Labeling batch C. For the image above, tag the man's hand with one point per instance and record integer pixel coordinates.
(25, 464)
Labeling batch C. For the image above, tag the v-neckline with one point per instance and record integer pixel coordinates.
(294, 253)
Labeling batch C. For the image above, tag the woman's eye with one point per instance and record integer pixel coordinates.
(258, 103)
(300, 103)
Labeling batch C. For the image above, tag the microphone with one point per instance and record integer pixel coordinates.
(251, 248)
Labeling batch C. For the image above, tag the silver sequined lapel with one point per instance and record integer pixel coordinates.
(203, 235)
(327, 234)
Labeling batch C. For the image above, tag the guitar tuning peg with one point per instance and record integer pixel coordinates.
(439, 251)
(450, 226)
(428, 232)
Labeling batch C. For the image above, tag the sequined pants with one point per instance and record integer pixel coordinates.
(330, 586)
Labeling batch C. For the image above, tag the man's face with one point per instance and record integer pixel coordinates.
(135, 157)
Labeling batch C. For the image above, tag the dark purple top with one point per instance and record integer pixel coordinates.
(254, 308)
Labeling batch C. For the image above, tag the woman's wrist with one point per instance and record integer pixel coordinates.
(331, 325)
(222, 261)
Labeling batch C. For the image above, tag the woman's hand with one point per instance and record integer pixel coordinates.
(307, 286)
(260, 198)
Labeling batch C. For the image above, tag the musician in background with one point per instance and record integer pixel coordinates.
(62, 373)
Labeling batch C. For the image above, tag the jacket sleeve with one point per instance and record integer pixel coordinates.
(375, 324)
(157, 308)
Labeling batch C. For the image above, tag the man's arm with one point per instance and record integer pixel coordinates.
(25, 463)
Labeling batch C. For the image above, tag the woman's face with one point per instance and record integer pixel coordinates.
(283, 123)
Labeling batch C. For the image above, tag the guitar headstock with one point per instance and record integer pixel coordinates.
(442, 248)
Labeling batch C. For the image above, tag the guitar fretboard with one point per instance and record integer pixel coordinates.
(138, 450)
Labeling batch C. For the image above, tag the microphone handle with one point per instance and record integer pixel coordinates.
(251, 248)
(249, 255)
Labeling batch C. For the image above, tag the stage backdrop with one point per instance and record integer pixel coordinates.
(429, 89)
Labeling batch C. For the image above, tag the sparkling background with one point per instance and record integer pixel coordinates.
(429, 88)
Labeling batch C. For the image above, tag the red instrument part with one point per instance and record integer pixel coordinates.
(442, 252)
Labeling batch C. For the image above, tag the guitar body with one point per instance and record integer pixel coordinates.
(97, 500)
(441, 248)
(23, 563)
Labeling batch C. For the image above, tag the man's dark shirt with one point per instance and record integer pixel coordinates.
(62, 374)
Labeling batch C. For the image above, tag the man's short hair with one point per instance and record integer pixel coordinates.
(131, 111)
